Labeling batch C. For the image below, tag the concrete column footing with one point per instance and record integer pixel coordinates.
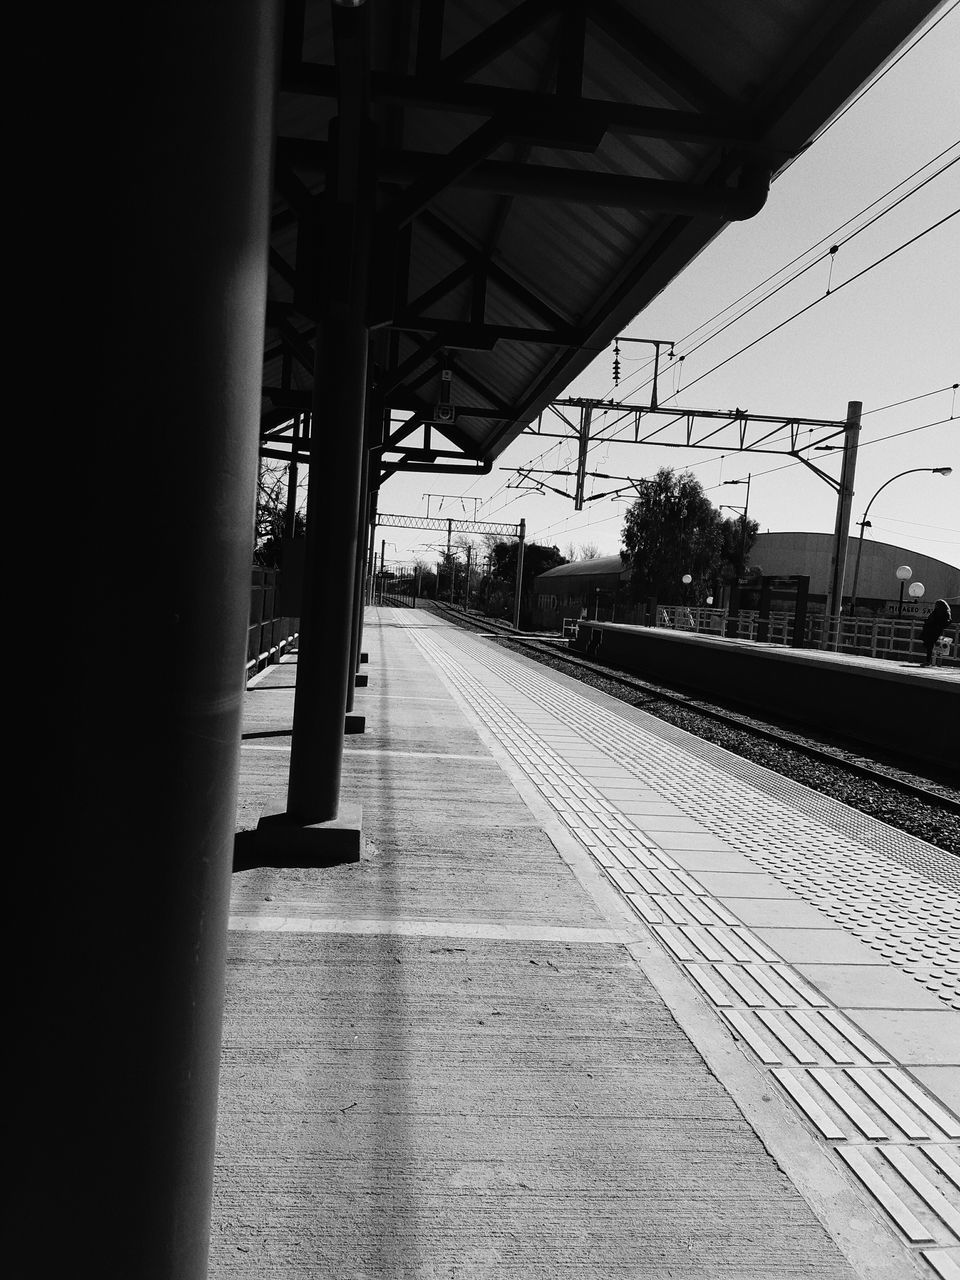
(279, 840)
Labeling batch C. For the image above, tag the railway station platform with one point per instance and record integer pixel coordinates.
(896, 705)
(599, 1000)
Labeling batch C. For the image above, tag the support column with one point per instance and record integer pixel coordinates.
(355, 723)
(838, 562)
(371, 549)
(324, 662)
(181, 240)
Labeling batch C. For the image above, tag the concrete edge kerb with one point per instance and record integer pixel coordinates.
(817, 659)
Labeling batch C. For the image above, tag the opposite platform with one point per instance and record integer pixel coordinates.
(523, 1034)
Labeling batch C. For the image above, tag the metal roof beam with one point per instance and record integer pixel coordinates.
(285, 398)
(547, 116)
(451, 281)
(483, 337)
(443, 173)
(647, 48)
(496, 274)
(581, 186)
(499, 37)
(431, 175)
(389, 379)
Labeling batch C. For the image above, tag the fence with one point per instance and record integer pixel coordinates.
(868, 637)
(268, 633)
(394, 589)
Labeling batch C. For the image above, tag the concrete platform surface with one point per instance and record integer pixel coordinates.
(598, 1000)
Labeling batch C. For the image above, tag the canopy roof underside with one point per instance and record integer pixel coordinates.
(538, 171)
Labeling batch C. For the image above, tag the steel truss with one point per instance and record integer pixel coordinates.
(451, 525)
(724, 430)
(507, 143)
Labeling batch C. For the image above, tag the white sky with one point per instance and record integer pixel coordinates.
(892, 336)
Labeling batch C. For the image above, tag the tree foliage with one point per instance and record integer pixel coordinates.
(499, 586)
(673, 529)
(271, 515)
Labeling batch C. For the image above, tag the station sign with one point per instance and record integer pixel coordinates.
(909, 608)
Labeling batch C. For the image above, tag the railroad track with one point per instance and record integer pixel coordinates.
(850, 759)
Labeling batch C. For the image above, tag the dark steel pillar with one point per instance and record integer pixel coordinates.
(356, 632)
(324, 662)
(371, 550)
(171, 427)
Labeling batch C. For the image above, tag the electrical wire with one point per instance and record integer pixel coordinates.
(816, 301)
(923, 395)
(873, 83)
(882, 213)
(783, 284)
(831, 253)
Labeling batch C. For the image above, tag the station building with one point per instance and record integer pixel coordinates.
(568, 590)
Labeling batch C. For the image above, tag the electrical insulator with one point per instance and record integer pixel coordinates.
(616, 372)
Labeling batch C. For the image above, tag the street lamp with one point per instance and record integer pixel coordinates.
(864, 523)
(743, 527)
(904, 573)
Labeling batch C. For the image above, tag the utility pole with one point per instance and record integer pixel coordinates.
(466, 590)
(516, 601)
(838, 563)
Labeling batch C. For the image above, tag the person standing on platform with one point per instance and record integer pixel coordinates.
(934, 625)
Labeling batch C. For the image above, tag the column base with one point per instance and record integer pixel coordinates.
(281, 841)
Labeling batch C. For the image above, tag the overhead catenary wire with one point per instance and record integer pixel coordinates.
(809, 306)
(823, 297)
(872, 84)
(866, 209)
(826, 239)
(831, 253)
(829, 125)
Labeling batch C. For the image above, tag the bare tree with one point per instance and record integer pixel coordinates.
(589, 551)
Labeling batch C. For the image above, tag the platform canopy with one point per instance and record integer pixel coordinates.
(539, 170)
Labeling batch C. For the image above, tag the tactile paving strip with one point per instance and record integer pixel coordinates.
(901, 1144)
(794, 843)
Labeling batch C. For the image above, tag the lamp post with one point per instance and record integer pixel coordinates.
(904, 573)
(743, 526)
(864, 523)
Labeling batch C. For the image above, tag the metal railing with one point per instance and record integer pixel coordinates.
(268, 633)
(891, 638)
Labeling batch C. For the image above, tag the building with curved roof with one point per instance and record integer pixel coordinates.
(783, 554)
(570, 588)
